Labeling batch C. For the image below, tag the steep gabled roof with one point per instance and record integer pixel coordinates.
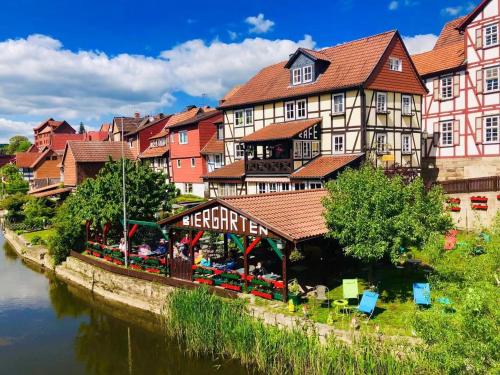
(130, 124)
(213, 146)
(58, 141)
(350, 65)
(203, 114)
(470, 17)
(182, 116)
(26, 159)
(97, 151)
(449, 34)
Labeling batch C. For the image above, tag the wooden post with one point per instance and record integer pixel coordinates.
(286, 253)
(170, 259)
(191, 247)
(245, 261)
(226, 250)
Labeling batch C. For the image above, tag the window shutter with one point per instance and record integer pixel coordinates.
(436, 134)
(456, 86)
(479, 81)
(456, 133)
(479, 38)
(479, 130)
(436, 88)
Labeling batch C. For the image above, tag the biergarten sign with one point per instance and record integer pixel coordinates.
(223, 219)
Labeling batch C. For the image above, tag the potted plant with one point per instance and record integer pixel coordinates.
(480, 207)
(479, 199)
(294, 291)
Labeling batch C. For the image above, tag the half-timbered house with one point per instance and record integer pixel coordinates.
(461, 111)
(295, 124)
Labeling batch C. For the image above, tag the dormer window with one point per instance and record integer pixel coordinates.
(307, 73)
(297, 76)
(395, 64)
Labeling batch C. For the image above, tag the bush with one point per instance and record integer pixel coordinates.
(14, 206)
(38, 213)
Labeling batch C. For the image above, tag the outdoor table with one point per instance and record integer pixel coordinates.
(241, 270)
(271, 276)
(340, 304)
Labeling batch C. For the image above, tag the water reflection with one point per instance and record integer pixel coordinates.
(48, 326)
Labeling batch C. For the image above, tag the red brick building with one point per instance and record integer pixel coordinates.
(44, 132)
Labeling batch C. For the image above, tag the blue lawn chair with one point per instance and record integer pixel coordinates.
(368, 302)
(422, 294)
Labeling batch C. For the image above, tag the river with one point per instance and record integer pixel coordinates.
(50, 327)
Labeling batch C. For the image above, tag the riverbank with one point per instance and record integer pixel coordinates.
(151, 296)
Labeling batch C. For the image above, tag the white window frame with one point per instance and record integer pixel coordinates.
(490, 35)
(248, 116)
(446, 88)
(193, 162)
(262, 188)
(307, 71)
(379, 108)
(292, 117)
(217, 161)
(312, 185)
(446, 134)
(188, 187)
(237, 114)
(239, 151)
(491, 124)
(183, 137)
(220, 132)
(335, 149)
(178, 162)
(381, 146)
(315, 148)
(297, 149)
(306, 150)
(406, 108)
(494, 78)
(338, 108)
(298, 110)
(395, 64)
(297, 76)
(406, 144)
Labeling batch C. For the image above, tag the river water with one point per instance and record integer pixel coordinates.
(50, 327)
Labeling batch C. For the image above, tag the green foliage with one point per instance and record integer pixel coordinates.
(13, 181)
(372, 215)
(189, 198)
(209, 325)
(14, 205)
(38, 213)
(81, 128)
(17, 143)
(99, 200)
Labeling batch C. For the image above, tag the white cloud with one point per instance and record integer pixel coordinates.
(420, 43)
(259, 23)
(232, 34)
(458, 10)
(393, 5)
(9, 128)
(40, 79)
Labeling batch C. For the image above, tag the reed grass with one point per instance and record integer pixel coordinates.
(210, 326)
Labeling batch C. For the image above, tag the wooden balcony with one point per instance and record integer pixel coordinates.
(471, 185)
(269, 166)
(39, 183)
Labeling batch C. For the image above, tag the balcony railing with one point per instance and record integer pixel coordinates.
(471, 185)
(269, 166)
(43, 182)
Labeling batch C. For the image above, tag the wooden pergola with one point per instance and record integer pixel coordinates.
(281, 219)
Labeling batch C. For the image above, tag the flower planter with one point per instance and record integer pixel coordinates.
(108, 258)
(231, 276)
(204, 281)
(258, 293)
(453, 200)
(87, 252)
(152, 270)
(278, 284)
(478, 199)
(454, 209)
(236, 288)
(118, 262)
(96, 254)
(261, 283)
(135, 267)
(498, 197)
(480, 207)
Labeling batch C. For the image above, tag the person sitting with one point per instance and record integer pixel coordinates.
(205, 261)
(198, 256)
(161, 248)
(259, 270)
(123, 246)
(145, 250)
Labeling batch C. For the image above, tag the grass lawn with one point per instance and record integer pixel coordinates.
(43, 234)
(189, 198)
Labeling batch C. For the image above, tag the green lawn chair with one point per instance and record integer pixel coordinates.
(350, 289)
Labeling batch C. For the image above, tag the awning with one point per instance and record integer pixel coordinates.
(324, 166)
(306, 129)
(294, 216)
(49, 193)
(233, 171)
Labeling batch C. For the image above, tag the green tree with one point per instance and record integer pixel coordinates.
(81, 129)
(99, 200)
(38, 213)
(14, 205)
(11, 180)
(372, 215)
(18, 143)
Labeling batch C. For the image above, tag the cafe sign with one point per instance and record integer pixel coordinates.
(223, 219)
(311, 133)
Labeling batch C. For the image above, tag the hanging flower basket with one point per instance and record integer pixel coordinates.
(478, 199)
(453, 200)
(258, 293)
(480, 207)
(236, 288)
(204, 281)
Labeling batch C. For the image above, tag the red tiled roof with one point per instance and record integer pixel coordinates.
(281, 130)
(213, 146)
(97, 151)
(449, 34)
(152, 152)
(59, 140)
(105, 127)
(49, 193)
(298, 215)
(97, 136)
(323, 166)
(350, 65)
(203, 114)
(41, 156)
(182, 116)
(160, 134)
(130, 124)
(26, 159)
(234, 170)
(449, 57)
(33, 148)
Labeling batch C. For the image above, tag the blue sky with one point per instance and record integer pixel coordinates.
(89, 60)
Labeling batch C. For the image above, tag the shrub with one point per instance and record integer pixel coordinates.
(38, 213)
(14, 205)
(36, 240)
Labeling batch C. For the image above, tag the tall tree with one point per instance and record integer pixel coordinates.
(372, 215)
(18, 143)
(11, 180)
(81, 129)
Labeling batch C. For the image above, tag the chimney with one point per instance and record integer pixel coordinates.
(137, 115)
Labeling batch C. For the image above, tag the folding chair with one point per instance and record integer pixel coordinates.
(350, 289)
(422, 294)
(368, 303)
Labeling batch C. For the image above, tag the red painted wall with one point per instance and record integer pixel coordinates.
(145, 134)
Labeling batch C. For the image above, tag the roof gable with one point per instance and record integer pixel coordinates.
(472, 15)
